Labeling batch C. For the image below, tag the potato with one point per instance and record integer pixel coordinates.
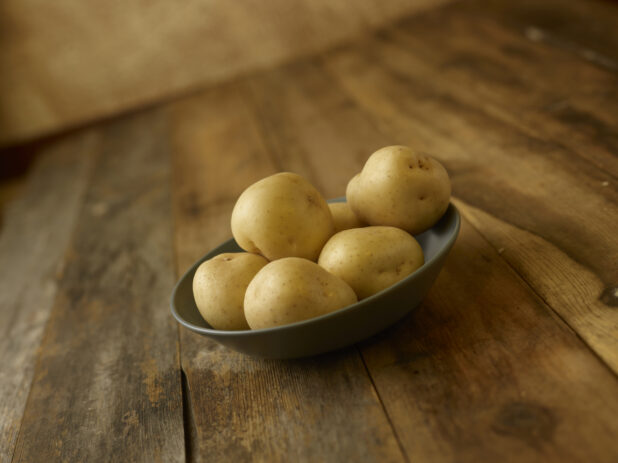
(401, 188)
(282, 216)
(371, 259)
(219, 287)
(293, 289)
(343, 217)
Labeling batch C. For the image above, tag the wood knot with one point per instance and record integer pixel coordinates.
(609, 296)
(529, 422)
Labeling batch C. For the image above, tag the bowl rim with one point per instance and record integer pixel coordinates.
(249, 333)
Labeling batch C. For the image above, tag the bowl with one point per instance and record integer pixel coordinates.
(334, 330)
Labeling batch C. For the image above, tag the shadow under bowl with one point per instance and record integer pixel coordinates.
(334, 330)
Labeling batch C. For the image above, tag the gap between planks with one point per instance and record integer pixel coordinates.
(526, 283)
(188, 418)
(388, 417)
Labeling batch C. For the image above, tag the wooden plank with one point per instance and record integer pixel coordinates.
(319, 409)
(524, 180)
(584, 28)
(516, 79)
(484, 370)
(35, 233)
(73, 62)
(107, 382)
(558, 279)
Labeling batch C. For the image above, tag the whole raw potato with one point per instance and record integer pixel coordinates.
(343, 217)
(371, 259)
(219, 287)
(293, 289)
(401, 188)
(282, 216)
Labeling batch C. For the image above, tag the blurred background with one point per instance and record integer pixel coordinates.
(67, 63)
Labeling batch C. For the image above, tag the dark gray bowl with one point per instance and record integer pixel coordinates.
(334, 330)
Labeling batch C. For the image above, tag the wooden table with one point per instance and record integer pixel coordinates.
(513, 356)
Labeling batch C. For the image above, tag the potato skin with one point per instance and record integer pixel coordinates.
(344, 218)
(219, 287)
(400, 187)
(282, 216)
(292, 289)
(371, 259)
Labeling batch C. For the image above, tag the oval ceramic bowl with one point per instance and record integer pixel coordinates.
(336, 329)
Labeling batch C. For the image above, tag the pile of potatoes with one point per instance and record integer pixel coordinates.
(305, 258)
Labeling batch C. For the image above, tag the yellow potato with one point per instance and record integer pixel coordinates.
(293, 289)
(282, 216)
(343, 217)
(401, 188)
(371, 259)
(219, 287)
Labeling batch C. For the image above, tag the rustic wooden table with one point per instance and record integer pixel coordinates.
(513, 356)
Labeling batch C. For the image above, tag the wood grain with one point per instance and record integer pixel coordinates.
(319, 409)
(484, 370)
(107, 381)
(523, 179)
(73, 62)
(517, 80)
(35, 235)
(584, 28)
(557, 279)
